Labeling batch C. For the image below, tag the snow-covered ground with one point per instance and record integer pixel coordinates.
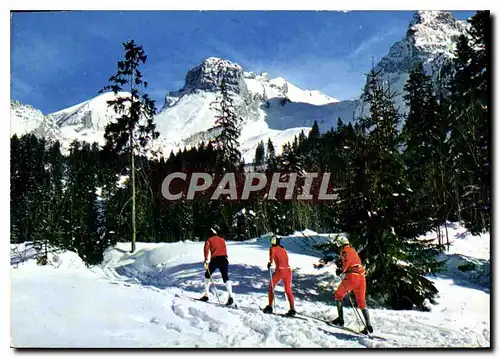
(142, 300)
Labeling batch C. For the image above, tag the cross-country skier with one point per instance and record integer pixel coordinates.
(216, 245)
(354, 280)
(279, 256)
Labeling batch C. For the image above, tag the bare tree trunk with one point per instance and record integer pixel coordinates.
(438, 230)
(457, 198)
(447, 238)
(132, 160)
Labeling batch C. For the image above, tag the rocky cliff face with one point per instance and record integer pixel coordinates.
(207, 76)
(430, 38)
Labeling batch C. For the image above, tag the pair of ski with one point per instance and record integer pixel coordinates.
(284, 315)
(247, 309)
(300, 316)
(233, 306)
(328, 323)
(305, 317)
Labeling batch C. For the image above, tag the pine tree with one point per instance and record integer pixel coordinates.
(423, 134)
(271, 161)
(227, 124)
(311, 148)
(135, 126)
(469, 138)
(314, 132)
(260, 154)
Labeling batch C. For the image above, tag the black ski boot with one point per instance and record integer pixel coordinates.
(368, 329)
(291, 312)
(338, 322)
(204, 299)
(268, 309)
(229, 301)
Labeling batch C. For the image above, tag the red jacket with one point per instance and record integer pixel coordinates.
(278, 255)
(351, 263)
(217, 247)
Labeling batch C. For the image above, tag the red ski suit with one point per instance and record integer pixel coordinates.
(354, 279)
(217, 247)
(278, 255)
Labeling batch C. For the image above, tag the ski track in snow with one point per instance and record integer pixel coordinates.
(148, 299)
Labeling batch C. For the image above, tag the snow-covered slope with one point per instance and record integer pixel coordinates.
(87, 121)
(93, 113)
(25, 119)
(144, 300)
(298, 95)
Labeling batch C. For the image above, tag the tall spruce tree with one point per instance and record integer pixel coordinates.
(260, 154)
(227, 124)
(135, 125)
(469, 123)
(271, 161)
(424, 134)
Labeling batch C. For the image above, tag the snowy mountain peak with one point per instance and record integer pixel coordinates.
(26, 119)
(432, 17)
(91, 115)
(279, 81)
(430, 34)
(430, 39)
(435, 32)
(296, 94)
(207, 75)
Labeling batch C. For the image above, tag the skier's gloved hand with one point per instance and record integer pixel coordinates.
(268, 265)
(206, 264)
(318, 265)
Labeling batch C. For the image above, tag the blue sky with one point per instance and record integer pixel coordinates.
(59, 59)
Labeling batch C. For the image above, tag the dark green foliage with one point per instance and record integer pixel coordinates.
(270, 155)
(135, 124)
(424, 135)
(260, 154)
(469, 122)
(53, 199)
(244, 226)
(468, 266)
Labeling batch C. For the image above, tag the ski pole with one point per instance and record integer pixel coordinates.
(213, 284)
(356, 313)
(271, 284)
(363, 323)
